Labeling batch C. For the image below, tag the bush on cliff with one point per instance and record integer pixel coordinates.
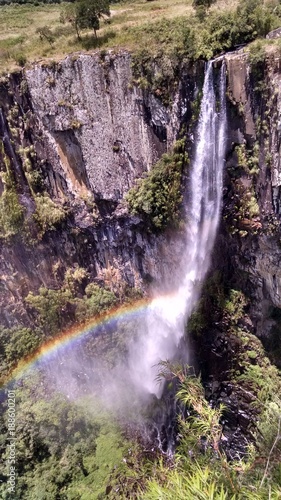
(157, 196)
(48, 214)
(11, 213)
(11, 210)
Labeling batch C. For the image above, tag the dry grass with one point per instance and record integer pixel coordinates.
(18, 24)
(130, 26)
(19, 40)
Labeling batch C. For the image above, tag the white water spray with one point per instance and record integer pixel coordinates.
(167, 315)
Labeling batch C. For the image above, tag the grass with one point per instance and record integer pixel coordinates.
(161, 25)
(18, 25)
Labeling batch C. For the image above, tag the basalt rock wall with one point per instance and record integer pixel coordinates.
(251, 217)
(79, 133)
(88, 132)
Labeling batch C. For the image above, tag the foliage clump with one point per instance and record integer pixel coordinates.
(95, 301)
(11, 210)
(53, 310)
(50, 306)
(198, 37)
(157, 196)
(63, 447)
(11, 213)
(84, 14)
(201, 469)
(242, 212)
(48, 214)
(57, 308)
(16, 343)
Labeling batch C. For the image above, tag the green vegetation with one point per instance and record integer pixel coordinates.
(94, 302)
(251, 367)
(85, 14)
(70, 451)
(255, 371)
(55, 309)
(48, 214)
(257, 58)
(11, 211)
(64, 449)
(16, 343)
(157, 197)
(92, 453)
(50, 306)
(242, 212)
(22, 2)
(200, 469)
(247, 160)
(165, 28)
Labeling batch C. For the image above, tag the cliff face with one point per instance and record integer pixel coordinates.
(80, 132)
(74, 137)
(100, 132)
(253, 181)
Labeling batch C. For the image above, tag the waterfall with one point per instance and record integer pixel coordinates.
(167, 315)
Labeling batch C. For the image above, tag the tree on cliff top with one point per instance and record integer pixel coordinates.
(85, 14)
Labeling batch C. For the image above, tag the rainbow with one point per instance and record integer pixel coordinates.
(69, 336)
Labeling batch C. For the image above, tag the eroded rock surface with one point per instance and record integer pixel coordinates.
(101, 131)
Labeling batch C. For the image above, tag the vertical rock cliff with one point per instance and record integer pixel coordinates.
(75, 135)
(252, 192)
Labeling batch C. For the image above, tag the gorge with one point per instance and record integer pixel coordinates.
(75, 137)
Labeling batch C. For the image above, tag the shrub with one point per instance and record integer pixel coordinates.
(50, 307)
(48, 214)
(97, 300)
(18, 343)
(20, 59)
(11, 213)
(74, 278)
(157, 196)
(45, 33)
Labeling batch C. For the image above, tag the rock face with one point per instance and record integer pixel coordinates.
(255, 94)
(101, 132)
(80, 133)
(88, 133)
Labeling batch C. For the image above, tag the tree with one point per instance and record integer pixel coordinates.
(85, 14)
(201, 7)
(203, 3)
(45, 33)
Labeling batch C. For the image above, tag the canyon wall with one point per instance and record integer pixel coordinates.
(75, 135)
(80, 132)
(253, 180)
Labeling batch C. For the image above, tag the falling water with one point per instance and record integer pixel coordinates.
(131, 384)
(168, 314)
